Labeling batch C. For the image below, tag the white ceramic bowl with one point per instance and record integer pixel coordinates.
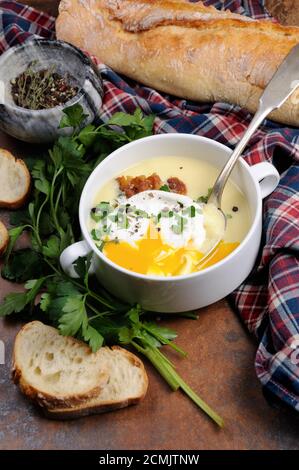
(178, 293)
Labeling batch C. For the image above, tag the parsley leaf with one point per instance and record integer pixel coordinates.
(20, 217)
(81, 307)
(162, 331)
(74, 315)
(14, 234)
(23, 265)
(45, 300)
(52, 248)
(16, 302)
(82, 266)
(135, 126)
(13, 303)
(41, 182)
(88, 135)
(73, 117)
(93, 338)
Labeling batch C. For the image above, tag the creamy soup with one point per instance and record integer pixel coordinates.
(159, 236)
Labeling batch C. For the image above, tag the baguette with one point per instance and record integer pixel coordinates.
(4, 238)
(183, 48)
(67, 380)
(14, 181)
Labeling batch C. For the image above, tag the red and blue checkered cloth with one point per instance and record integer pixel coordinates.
(268, 301)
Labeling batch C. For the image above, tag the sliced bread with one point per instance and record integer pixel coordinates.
(55, 370)
(14, 181)
(59, 373)
(4, 238)
(127, 385)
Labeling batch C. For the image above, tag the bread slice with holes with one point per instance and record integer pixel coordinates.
(67, 380)
(127, 385)
(55, 370)
(4, 238)
(14, 181)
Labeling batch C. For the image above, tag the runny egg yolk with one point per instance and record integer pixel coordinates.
(153, 257)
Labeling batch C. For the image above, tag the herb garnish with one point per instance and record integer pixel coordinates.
(204, 199)
(181, 222)
(75, 306)
(41, 89)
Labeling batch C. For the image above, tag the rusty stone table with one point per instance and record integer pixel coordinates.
(219, 366)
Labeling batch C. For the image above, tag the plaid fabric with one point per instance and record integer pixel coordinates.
(268, 301)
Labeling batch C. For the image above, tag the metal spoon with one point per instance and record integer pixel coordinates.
(283, 83)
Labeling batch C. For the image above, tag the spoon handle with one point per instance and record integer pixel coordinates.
(216, 194)
(281, 86)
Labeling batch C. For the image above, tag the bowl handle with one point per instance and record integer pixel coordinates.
(267, 177)
(69, 256)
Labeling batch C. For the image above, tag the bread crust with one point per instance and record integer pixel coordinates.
(183, 48)
(74, 406)
(42, 398)
(4, 238)
(85, 409)
(17, 203)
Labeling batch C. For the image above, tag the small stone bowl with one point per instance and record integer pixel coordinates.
(41, 126)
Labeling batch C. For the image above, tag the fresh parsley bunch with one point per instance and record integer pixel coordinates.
(79, 307)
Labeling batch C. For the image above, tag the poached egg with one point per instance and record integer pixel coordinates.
(157, 233)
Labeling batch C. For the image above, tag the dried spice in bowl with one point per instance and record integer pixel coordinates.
(41, 89)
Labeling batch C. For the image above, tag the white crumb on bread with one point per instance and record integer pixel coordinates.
(14, 181)
(4, 238)
(127, 385)
(63, 376)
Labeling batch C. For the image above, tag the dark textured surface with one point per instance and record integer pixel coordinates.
(220, 367)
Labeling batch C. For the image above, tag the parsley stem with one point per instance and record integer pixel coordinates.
(37, 222)
(91, 307)
(101, 300)
(97, 314)
(158, 352)
(190, 315)
(52, 190)
(164, 358)
(58, 199)
(196, 399)
(199, 402)
(77, 284)
(174, 380)
(160, 365)
(53, 267)
(164, 340)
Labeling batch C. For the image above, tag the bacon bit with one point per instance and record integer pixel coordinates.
(131, 186)
(176, 185)
(134, 185)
